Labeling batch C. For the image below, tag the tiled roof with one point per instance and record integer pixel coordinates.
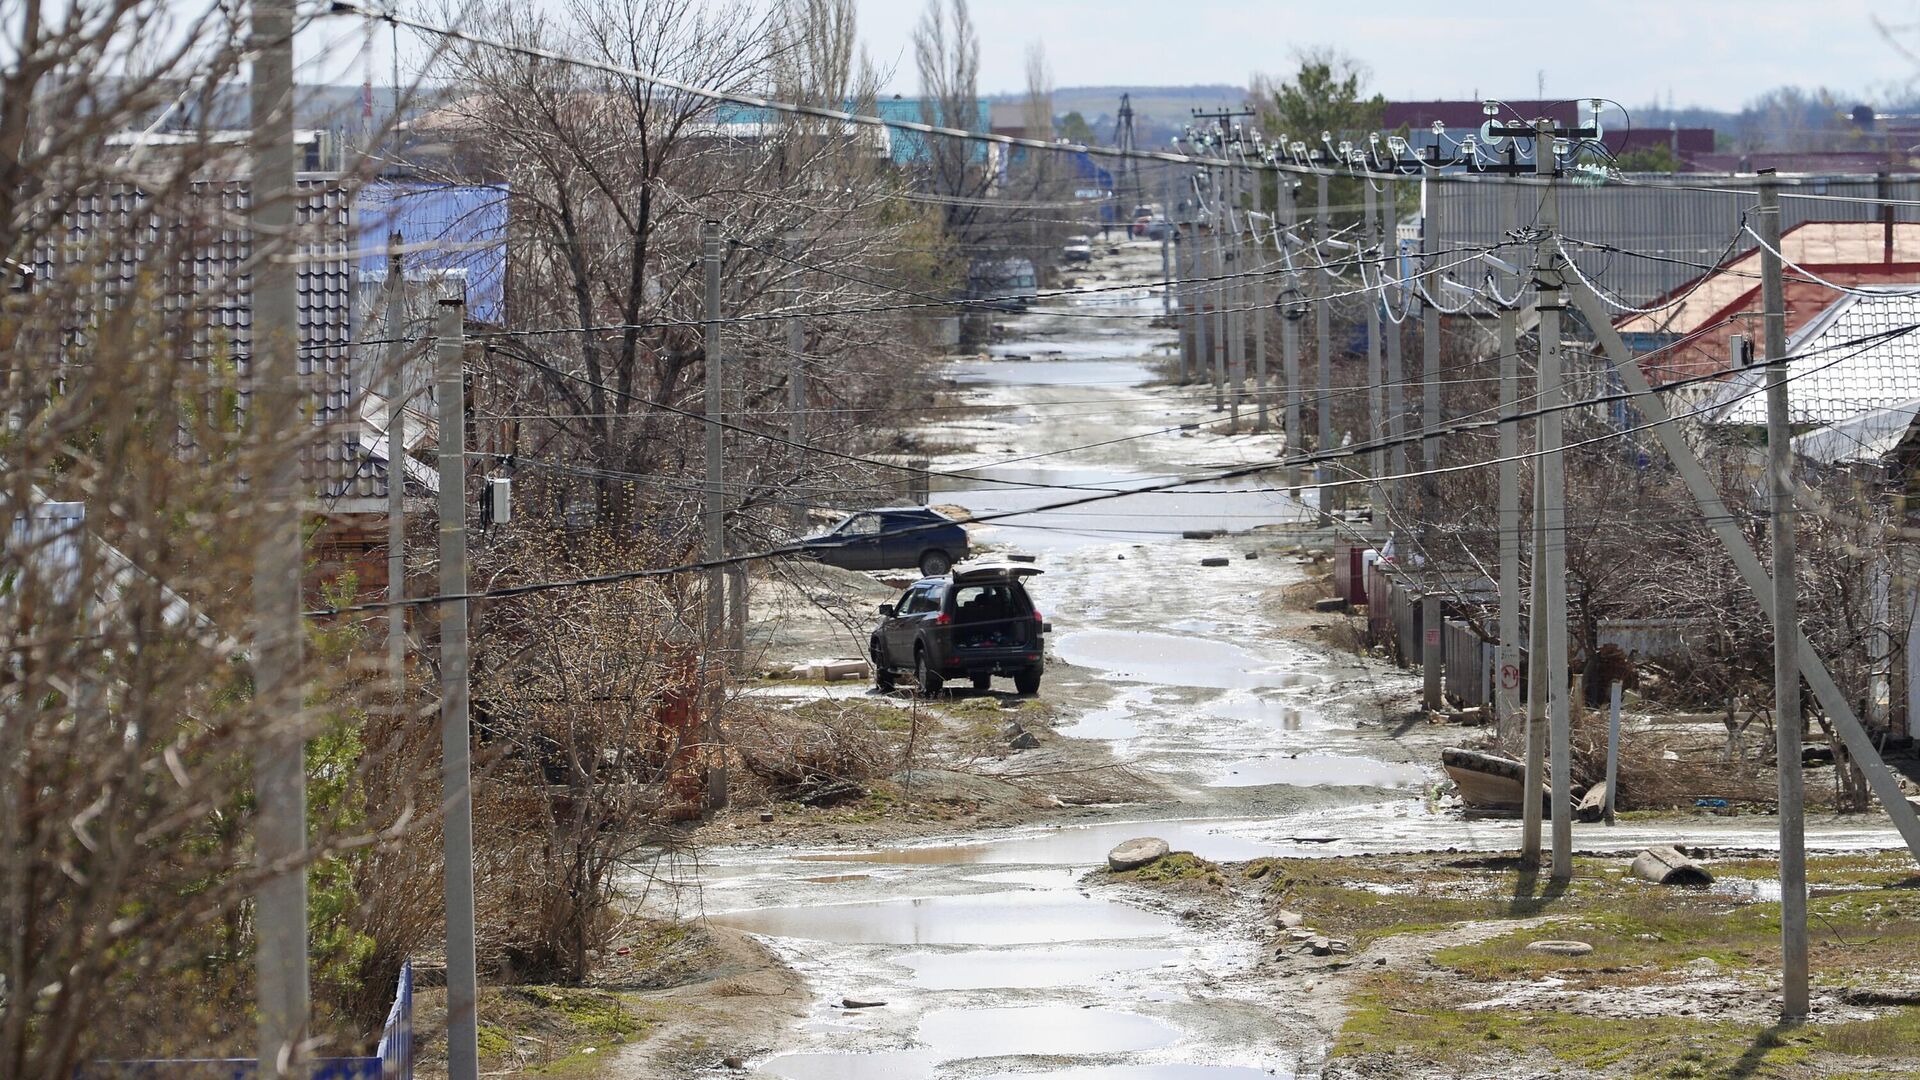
(115, 234)
(1837, 377)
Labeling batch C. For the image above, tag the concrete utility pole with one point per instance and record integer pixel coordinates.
(456, 741)
(1377, 459)
(1185, 248)
(1218, 291)
(396, 472)
(1257, 282)
(716, 515)
(1536, 758)
(1323, 341)
(1290, 313)
(279, 763)
(796, 376)
(1553, 508)
(1396, 377)
(1432, 620)
(1236, 303)
(1786, 621)
(1166, 231)
(1507, 658)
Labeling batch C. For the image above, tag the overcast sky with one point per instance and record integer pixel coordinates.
(1716, 53)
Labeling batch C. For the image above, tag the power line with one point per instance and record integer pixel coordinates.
(1105, 495)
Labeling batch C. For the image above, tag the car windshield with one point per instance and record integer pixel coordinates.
(983, 603)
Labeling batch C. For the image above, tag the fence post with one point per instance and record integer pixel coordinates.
(1613, 748)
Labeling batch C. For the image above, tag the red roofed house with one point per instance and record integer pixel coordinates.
(1692, 334)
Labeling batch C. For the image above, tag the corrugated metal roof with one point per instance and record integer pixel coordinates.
(1835, 380)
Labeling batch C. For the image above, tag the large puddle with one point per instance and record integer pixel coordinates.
(1320, 770)
(1082, 845)
(982, 969)
(1168, 659)
(1046, 1029)
(1017, 918)
(1149, 1073)
(894, 1065)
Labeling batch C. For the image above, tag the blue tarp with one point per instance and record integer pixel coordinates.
(466, 224)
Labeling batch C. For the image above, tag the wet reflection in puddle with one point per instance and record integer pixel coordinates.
(1321, 770)
(1175, 661)
(894, 1065)
(992, 919)
(1278, 715)
(1149, 1072)
(1080, 846)
(1027, 968)
(1112, 721)
(835, 879)
(1047, 1029)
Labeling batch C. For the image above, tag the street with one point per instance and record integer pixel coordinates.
(1249, 739)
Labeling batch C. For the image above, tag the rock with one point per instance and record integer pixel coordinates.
(1288, 920)
(1300, 934)
(1593, 805)
(766, 817)
(1339, 946)
(1666, 866)
(1199, 534)
(1024, 741)
(1136, 853)
(732, 1062)
(1331, 603)
(1253, 554)
(855, 1003)
(1320, 946)
(1217, 560)
(1560, 948)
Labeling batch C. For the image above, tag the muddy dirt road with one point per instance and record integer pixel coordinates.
(991, 957)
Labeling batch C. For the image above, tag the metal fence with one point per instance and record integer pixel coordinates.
(1468, 666)
(1683, 223)
(392, 1059)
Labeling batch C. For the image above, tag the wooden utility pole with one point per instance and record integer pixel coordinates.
(1786, 620)
(456, 739)
(796, 378)
(279, 763)
(716, 521)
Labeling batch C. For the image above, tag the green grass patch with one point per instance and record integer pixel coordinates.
(1179, 867)
(1413, 1020)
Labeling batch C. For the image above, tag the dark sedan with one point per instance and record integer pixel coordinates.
(891, 538)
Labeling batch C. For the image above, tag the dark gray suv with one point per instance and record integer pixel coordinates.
(975, 623)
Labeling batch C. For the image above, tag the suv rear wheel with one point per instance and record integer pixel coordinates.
(1028, 681)
(934, 563)
(923, 673)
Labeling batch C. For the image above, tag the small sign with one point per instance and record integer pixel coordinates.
(1433, 637)
(1509, 676)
